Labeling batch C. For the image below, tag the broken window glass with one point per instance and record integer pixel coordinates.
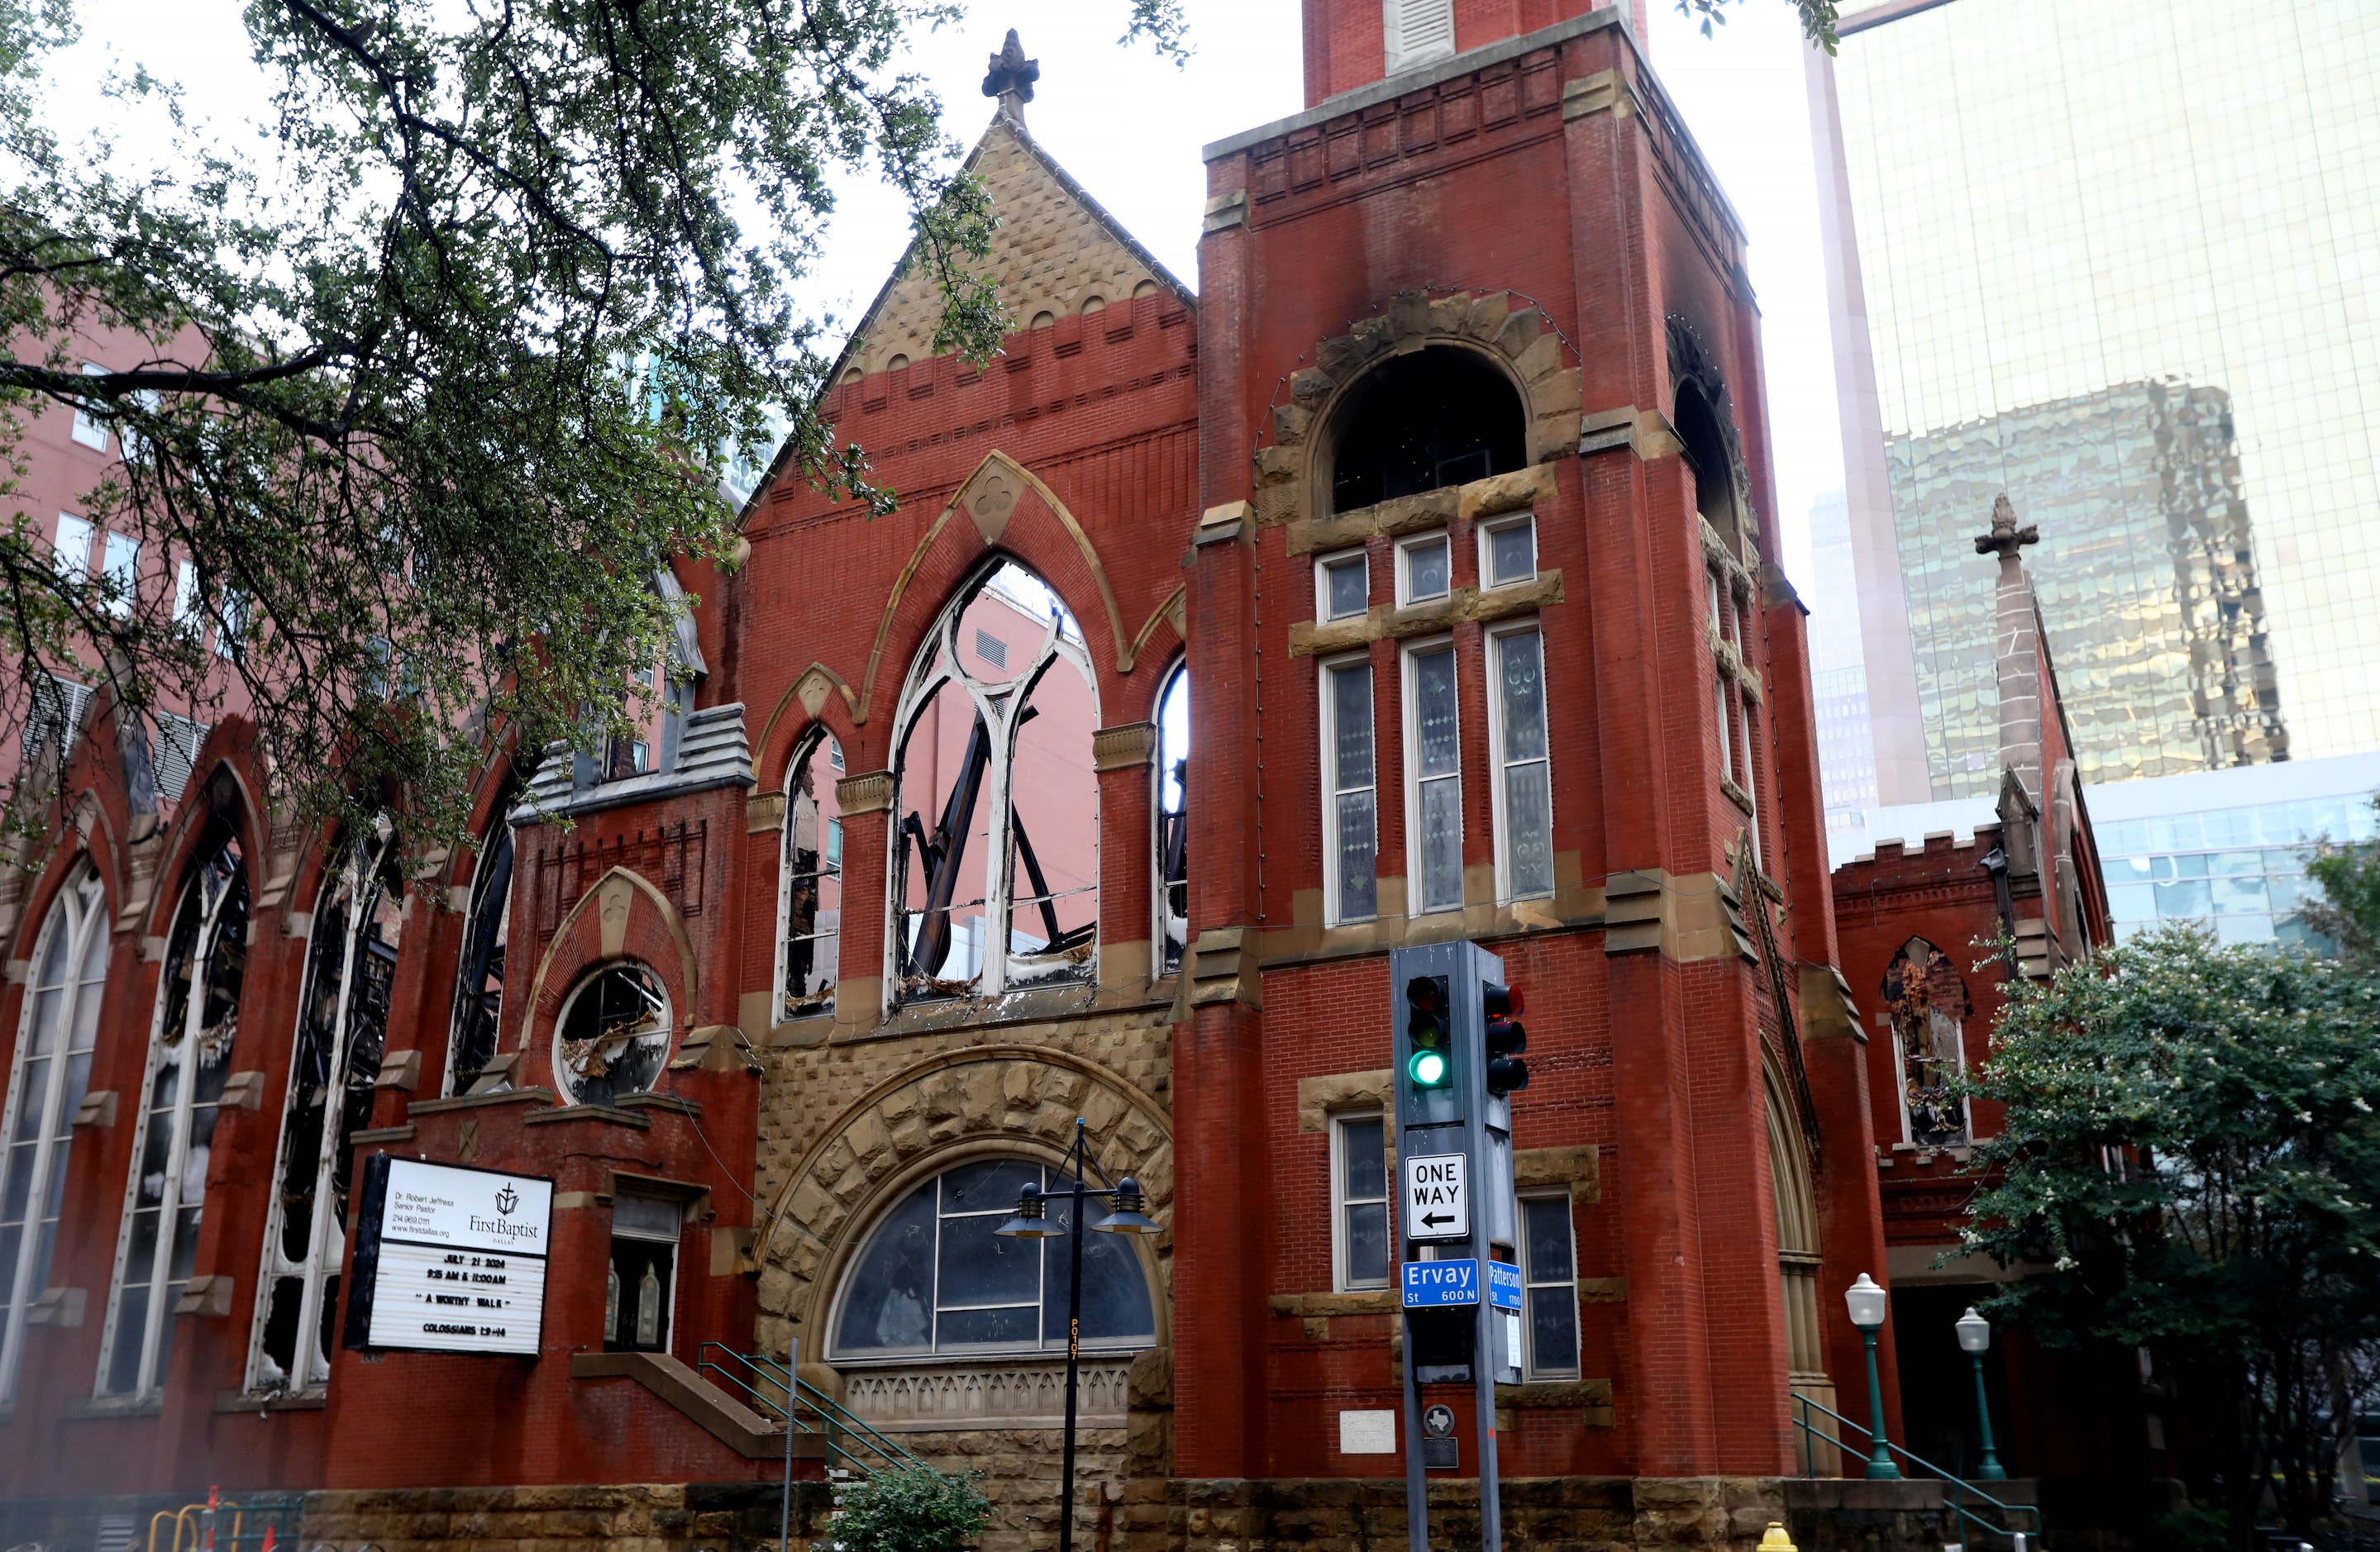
(334, 1071)
(1925, 999)
(1174, 821)
(612, 1037)
(480, 984)
(813, 889)
(999, 801)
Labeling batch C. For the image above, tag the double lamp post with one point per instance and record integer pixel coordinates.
(1867, 1303)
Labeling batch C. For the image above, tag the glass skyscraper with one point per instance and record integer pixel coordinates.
(2123, 262)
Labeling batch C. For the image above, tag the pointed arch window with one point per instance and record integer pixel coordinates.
(998, 872)
(1173, 820)
(1925, 998)
(45, 1089)
(341, 1025)
(479, 980)
(191, 1048)
(810, 904)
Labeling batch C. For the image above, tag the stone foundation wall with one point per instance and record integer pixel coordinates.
(675, 1517)
(1540, 1515)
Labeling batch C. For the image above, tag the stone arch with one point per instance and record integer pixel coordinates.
(933, 1114)
(226, 791)
(624, 916)
(824, 696)
(1794, 1196)
(1499, 329)
(1704, 418)
(992, 498)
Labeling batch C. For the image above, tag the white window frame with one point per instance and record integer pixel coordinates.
(1405, 548)
(1323, 565)
(677, 1263)
(1487, 535)
(1333, 893)
(1497, 764)
(186, 597)
(823, 746)
(1341, 1281)
(1163, 920)
(120, 558)
(154, 1333)
(1530, 1282)
(79, 910)
(70, 551)
(1409, 720)
(89, 431)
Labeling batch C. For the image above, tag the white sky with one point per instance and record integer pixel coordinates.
(1129, 126)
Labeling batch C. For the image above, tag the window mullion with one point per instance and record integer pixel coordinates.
(999, 829)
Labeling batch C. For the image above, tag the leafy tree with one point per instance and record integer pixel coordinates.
(2349, 912)
(430, 392)
(914, 1508)
(2191, 1158)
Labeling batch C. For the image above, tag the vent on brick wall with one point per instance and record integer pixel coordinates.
(115, 1533)
(1417, 31)
(992, 649)
(58, 705)
(177, 749)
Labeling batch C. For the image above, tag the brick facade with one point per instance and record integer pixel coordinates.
(1162, 465)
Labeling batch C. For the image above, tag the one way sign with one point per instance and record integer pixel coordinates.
(1438, 1199)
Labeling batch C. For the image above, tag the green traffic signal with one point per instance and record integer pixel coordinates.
(1427, 1069)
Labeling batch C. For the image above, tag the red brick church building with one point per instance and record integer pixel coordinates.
(1411, 579)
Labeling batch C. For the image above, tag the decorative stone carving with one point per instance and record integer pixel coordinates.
(1004, 1394)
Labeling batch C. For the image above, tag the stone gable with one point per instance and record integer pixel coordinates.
(1055, 251)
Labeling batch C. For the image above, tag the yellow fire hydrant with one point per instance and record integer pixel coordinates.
(1774, 1539)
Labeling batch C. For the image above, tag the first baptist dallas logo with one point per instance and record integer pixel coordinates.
(507, 1200)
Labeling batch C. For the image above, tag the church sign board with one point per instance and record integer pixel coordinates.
(451, 1259)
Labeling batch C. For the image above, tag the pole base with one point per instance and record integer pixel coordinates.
(1882, 1470)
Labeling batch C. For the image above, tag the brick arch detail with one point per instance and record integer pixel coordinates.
(1019, 1100)
(1502, 329)
(651, 932)
(818, 696)
(1062, 559)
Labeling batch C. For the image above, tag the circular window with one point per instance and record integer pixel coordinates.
(612, 1037)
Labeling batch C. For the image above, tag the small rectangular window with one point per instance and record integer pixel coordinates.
(1350, 798)
(1549, 1268)
(1434, 779)
(88, 429)
(1525, 782)
(1508, 552)
(1344, 586)
(641, 1281)
(121, 565)
(1359, 1188)
(1422, 569)
(72, 554)
(232, 627)
(186, 594)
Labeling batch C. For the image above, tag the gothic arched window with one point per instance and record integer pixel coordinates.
(341, 1025)
(997, 880)
(933, 1277)
(53, 1070)
(1173, 820)
(1926, 1000)
(810, 900)
(1438, 417)
(479, 979)
(190, 1049)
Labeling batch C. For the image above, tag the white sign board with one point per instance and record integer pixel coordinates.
(1368, 1433)
(460, 1260)
(1438, 1196)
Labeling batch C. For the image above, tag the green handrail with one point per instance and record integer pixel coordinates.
(1813, 1437)
(770, 1386)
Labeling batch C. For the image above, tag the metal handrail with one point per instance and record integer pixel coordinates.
(1810, 1443)
(773, 1385)
(204, 1523)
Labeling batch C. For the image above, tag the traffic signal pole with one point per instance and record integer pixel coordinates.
(1457, 1048)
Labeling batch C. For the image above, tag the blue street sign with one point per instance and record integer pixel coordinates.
(1432, 1283)
(1504, 1285)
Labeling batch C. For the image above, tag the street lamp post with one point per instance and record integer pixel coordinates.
(1976, 1340)
(1032, 1222)
(1866, 1301)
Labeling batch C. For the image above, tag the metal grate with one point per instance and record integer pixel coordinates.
(115, 1534)
(991, 648)
(58, 705)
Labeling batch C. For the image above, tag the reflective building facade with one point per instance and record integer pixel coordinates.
(2145, 573)
(2117, 259)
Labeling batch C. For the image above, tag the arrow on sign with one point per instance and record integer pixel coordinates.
(1434, 1219)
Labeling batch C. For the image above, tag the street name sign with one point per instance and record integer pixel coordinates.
(1438, 1196)
(1504, 1285)
(1431, 1284)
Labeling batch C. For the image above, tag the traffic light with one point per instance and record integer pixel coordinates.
(1431, 1065)
(1502, 1007)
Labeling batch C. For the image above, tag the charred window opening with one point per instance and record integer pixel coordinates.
(1925, 998)
(1710, 463)
(189, 1062)
(638, 734)
(1174, 821)
(1436, 417)
(333, 1074)
(999, 801)
(612, 1037)
(812, 904)
(480, 982)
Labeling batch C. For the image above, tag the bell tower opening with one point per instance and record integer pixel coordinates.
(1438, 417)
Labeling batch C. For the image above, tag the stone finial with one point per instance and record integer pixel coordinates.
(1011, 77)
(2005, 537)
